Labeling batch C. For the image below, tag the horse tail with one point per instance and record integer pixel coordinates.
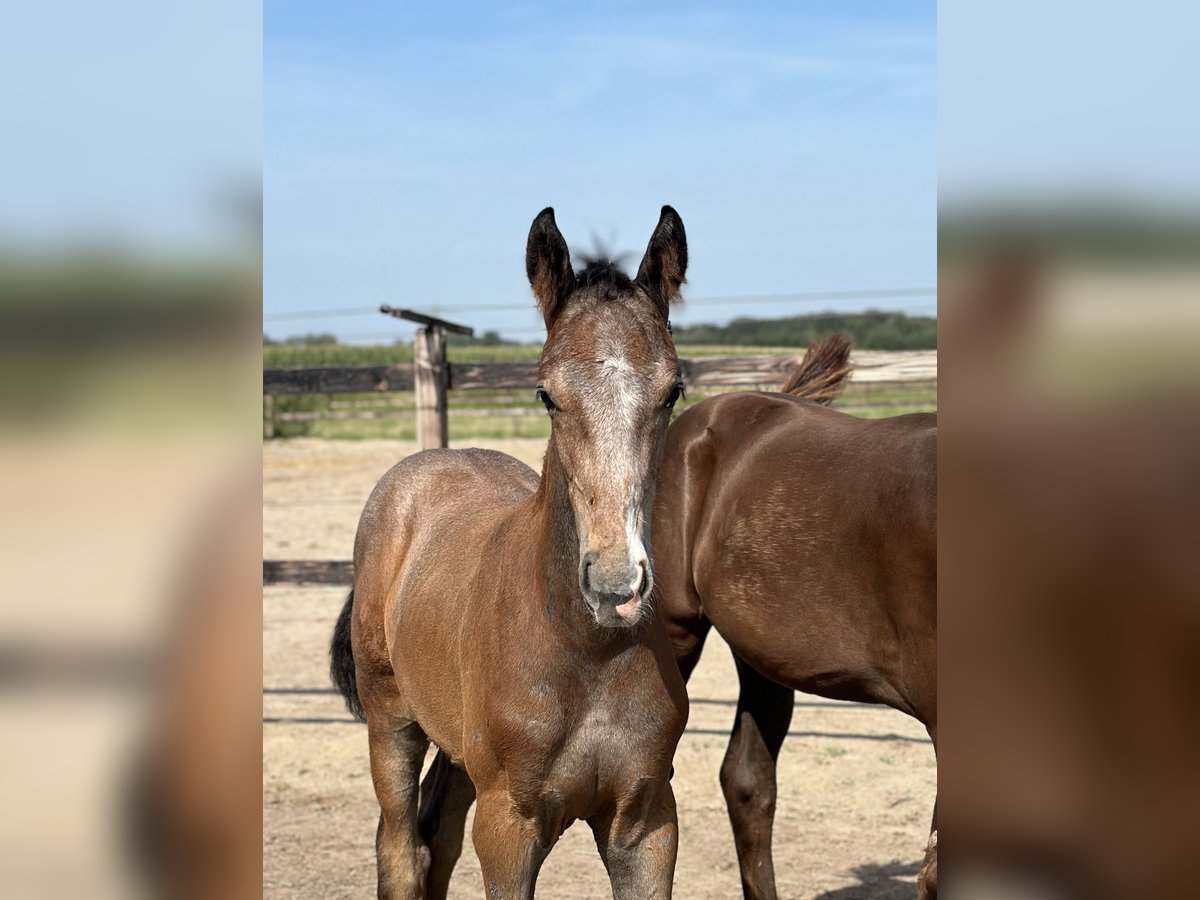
(341, 661)
(822, 373)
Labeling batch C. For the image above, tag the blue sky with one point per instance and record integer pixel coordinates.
(1051, 102)
(407, 147)
(130, 123)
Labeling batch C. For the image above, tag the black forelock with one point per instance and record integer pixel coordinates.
(605, 273)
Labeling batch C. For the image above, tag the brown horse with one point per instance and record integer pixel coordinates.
(507, 619)
(807, 537)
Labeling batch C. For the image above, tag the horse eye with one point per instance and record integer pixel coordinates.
(546, 401)
(675, 395)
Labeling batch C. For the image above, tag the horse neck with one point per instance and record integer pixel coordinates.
(557, 569)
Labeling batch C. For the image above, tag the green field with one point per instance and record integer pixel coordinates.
(298, 356)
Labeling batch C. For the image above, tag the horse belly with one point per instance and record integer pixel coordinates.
(811, 621)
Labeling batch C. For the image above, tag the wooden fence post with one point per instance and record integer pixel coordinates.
(432, 378)
(268, 416)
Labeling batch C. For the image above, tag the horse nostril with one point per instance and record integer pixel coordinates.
(643, 578)
(639, 579)
(585, 567)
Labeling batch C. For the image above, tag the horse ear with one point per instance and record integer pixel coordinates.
(665, 263)
(548, 265)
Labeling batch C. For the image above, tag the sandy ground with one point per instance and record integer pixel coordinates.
(856, 783)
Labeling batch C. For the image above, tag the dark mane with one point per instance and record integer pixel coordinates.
(604, 273)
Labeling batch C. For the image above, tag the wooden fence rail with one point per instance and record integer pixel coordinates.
(337, 380)
(432, 377)
(718, 371)
(306, 571)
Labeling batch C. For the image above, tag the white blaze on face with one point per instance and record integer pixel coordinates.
(620, 384)
(633, 540)
(616, 469)
(627, 398)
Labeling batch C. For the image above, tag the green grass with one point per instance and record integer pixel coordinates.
(291, 357)
(525, 419)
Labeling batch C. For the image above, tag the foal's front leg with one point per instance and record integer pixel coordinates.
(510, 847)
(639, 844)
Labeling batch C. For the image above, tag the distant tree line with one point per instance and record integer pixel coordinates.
(312, 339)
(487, 339)
(872, 330)
(1096, 231)
(328, 339)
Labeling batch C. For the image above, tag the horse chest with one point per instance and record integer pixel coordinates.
(610, 750)
(600, 735)
(563, 756)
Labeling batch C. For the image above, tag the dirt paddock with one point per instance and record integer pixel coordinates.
(856, 782)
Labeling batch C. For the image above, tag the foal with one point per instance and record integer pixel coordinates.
(507, 620)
